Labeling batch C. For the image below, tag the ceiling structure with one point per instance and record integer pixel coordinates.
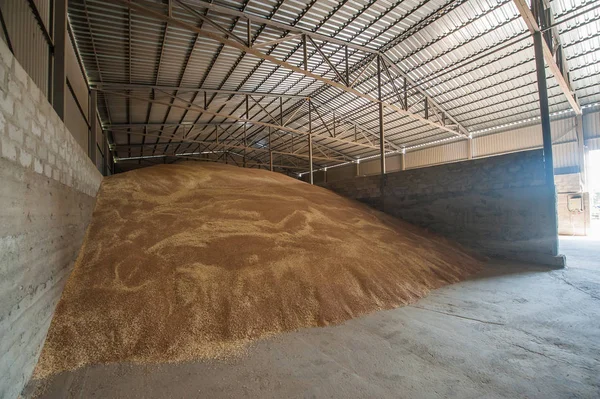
(186, 77)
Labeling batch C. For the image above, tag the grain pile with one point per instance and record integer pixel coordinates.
(195, 260)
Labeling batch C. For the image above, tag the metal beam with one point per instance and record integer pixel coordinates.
(224, 145)
(562, 81)
(269, 22)
(240, 119)
(242, 47)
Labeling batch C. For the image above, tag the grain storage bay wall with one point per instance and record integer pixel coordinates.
(499, 206)
(47, 194)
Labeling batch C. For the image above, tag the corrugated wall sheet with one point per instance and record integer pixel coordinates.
(435, 155)
(27, 39)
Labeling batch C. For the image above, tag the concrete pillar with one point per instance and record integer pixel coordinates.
(357, 168)
(403, 160)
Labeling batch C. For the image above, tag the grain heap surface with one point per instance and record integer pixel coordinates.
(195, 260)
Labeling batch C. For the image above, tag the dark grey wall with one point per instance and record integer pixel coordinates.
(498, 206)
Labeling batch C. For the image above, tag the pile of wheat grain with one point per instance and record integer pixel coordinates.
(195, 260)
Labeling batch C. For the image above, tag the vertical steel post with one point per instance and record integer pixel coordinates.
(581, 150)
(347, 70)
(381, 136)
(270, 152)
(310, 144)
(469, 148)
(93, 124)
(59, 79)
(381, 130)
(304, 53)
(546, 133)
(106, 152)
(403, 160)
(544, 108)
(245, 117)
(249, 32)
(405, 95)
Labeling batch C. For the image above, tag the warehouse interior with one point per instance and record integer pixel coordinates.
(300, 198)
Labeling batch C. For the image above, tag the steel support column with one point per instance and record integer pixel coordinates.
(310, 143)
(270, 152)
(93, 124)
(546, 133)
(59, 74)
(581, 150)
(106, 152)
(381, 130)
(469, 148)
(245, 128)
(544, 108)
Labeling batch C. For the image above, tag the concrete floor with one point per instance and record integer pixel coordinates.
(513, 331)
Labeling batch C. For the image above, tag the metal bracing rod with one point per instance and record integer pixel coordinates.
(242, 47)
(326, 59)
(260, 129)
(211, 23)
(321, 118)
(121, 86)
(562, 80)
(240, 119)
(430, 101)
(362, 128)
(119, 126)
(269, 22)
(277, 41)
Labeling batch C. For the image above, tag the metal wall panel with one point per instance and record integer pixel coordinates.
(373, 166)
(564, 155)
(436, 155)
(593, 144)
(513, 140)
(591, 125)
(77, 80)
(27, 39)
(76, 123)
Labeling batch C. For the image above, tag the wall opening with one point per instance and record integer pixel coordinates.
(594, 189)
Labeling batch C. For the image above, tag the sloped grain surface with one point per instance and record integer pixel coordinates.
(196, 260)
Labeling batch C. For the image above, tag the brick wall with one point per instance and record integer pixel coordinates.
(498, 206)
(47, 194)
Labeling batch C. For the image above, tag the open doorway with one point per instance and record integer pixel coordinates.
(594, 190)
(584, 251)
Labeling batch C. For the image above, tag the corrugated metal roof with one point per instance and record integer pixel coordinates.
(475, 59)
